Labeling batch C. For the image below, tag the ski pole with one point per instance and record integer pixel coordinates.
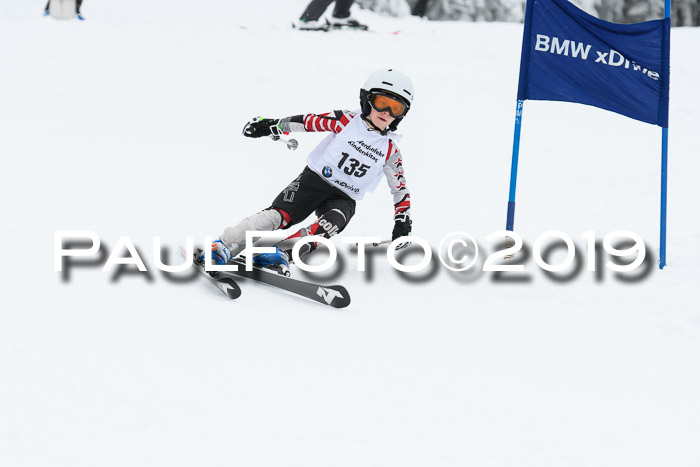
(353, 247)
(292, 144)
(383, 242)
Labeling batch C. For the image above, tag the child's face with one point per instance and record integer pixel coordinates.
(380, 119)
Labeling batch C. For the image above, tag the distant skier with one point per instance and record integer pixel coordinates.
(78, 3)
(419, 8)
(345, 166)
(311, 18)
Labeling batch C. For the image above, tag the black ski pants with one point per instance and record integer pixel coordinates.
(419, 8)
(316, 8)
(77, 5)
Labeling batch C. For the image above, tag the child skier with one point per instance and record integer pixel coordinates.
(347, 164)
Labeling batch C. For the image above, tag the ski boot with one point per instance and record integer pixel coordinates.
(219, 253)
(312, 25)
(347, 23)
(277, 261)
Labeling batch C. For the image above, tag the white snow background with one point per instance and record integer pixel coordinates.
(129, 124)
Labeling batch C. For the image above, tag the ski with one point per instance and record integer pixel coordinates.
(335, 296)
(328, 26)
(224, 280)
(352, 27)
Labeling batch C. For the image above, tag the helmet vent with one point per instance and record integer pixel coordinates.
(385, 82)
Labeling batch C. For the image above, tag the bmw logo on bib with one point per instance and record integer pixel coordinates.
(327, 172)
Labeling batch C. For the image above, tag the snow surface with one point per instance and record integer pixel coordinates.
(128, 124)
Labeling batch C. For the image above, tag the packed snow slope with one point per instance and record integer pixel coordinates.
(129, 124)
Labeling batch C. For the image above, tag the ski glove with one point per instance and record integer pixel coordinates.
(259, 127)
(402, 228)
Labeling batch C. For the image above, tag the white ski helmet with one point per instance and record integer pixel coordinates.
(388, 81)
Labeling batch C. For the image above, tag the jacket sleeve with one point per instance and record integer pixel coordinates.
(394, 173)
(333, 121)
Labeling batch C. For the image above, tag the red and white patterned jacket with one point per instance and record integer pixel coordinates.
(335, 122)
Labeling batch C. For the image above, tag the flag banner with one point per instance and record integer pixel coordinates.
(569, 55)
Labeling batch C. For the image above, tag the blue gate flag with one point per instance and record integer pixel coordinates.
(569, 55)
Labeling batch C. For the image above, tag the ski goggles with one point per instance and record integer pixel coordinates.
(387, 103)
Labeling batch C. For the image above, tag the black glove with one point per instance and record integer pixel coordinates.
(402, 228)
(259, 127)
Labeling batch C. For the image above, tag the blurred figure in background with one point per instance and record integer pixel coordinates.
(47, 10)
(419, 8)
(311, 18)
